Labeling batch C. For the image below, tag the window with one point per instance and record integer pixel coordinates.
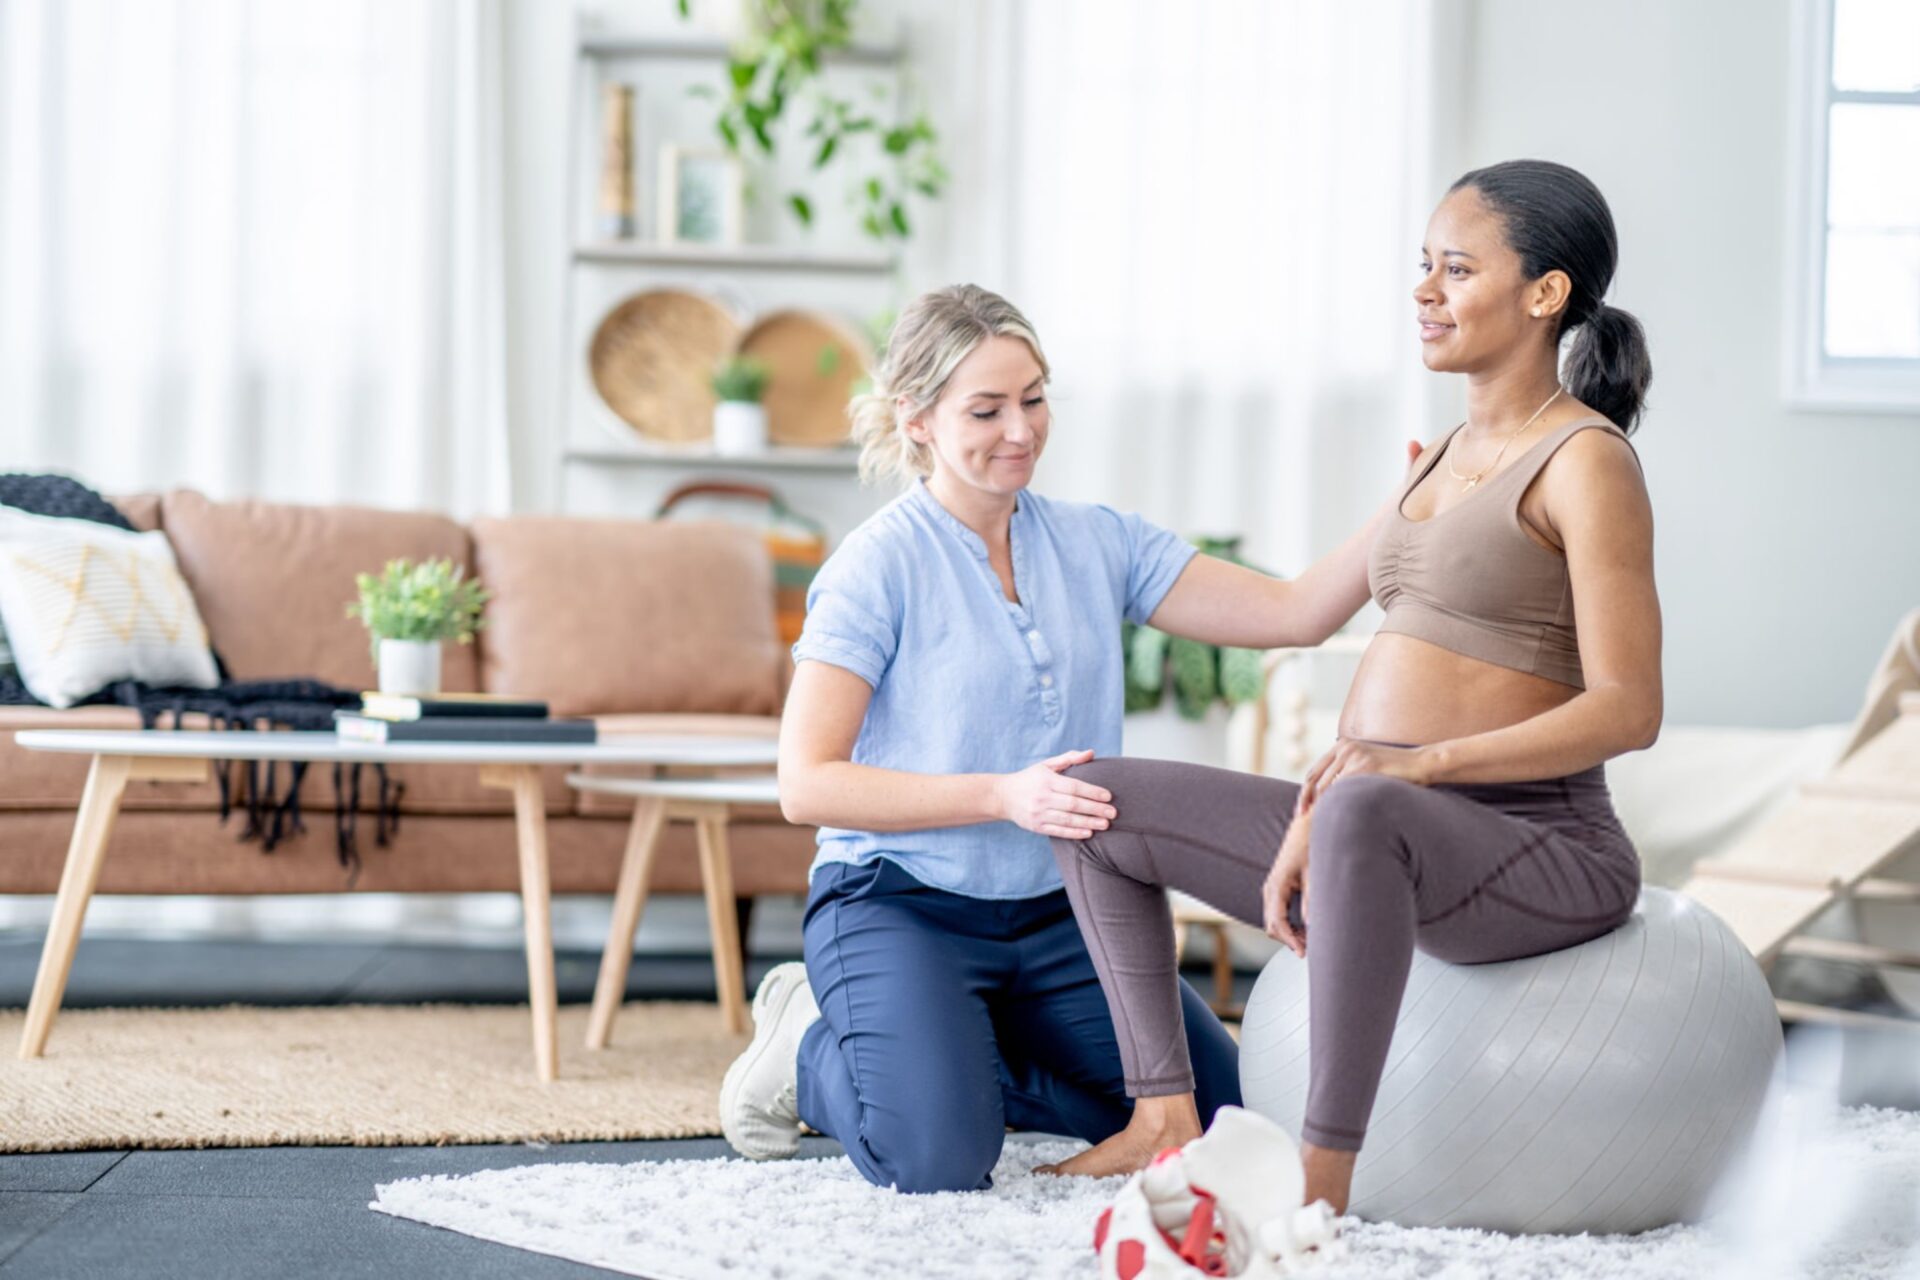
(1854, 326)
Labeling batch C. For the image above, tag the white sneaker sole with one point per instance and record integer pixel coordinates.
(769, 1009)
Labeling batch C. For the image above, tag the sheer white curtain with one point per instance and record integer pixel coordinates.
(255, 248)
(1216, 214)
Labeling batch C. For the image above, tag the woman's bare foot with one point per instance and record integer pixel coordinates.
(1157, 1123)
(1329, 1174)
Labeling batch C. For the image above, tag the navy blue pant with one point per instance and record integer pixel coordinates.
(946, 1019)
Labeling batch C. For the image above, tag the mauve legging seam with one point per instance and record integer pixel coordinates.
(1538, 914)
(1103, 962)
(1626, 875)
(1146, 835)
(1536, 841)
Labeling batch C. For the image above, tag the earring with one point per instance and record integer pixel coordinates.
(1536, 311)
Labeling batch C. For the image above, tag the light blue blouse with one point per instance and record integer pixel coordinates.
(966, 681)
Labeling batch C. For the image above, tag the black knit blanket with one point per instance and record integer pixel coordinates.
(270, 801)
(273, 813)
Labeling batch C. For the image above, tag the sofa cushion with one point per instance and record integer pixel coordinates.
(142, 510)
(598, 616)
(86, 604)
(273, 582)
(176, 853)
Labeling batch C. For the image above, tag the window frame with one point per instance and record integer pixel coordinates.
(1815, 381)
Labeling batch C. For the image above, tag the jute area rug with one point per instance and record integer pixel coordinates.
(1836, 1200)
(356, 1075)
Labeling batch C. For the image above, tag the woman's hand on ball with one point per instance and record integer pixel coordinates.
(1042, 799)
(1288, 877)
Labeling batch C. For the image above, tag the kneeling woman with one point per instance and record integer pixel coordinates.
(961, 652)
(1520, 649)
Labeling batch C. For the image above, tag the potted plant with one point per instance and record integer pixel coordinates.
(410, 610)
(1207, 682)
(739, 419)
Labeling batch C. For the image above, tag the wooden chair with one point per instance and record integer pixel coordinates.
(1834, 841)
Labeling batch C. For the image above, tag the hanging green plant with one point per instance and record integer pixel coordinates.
(1199, 674)
(778, 65)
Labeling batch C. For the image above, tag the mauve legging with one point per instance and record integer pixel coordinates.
(1470, 874)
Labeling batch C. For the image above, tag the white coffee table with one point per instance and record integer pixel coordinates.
(705, 802)
(121, 756)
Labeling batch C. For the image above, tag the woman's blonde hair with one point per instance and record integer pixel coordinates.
(932, 336)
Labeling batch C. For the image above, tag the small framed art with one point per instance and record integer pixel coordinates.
(700, 196)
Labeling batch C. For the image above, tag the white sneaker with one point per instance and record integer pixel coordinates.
(760, 1096)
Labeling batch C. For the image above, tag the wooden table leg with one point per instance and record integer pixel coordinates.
(530, 825)
(629, 900)
(92, 828)
(716, 870)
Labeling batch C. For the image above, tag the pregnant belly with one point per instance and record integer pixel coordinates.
(1412, 691)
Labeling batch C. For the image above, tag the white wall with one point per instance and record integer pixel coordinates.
(1788, 542)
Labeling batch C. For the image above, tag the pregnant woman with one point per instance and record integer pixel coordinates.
(961, 652)
(1464, 809)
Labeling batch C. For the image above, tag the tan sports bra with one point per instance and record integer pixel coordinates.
(1470, 580)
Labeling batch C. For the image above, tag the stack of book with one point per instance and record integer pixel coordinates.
(457, 717)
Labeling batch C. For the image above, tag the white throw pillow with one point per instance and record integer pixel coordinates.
(85, 604)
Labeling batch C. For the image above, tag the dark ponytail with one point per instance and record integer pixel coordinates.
(1607, 366)
(1557, 220)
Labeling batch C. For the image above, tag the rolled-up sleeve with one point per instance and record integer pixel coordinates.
(1155, 559)
(853, 620)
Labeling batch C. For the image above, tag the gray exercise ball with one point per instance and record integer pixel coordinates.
(1604, 1088)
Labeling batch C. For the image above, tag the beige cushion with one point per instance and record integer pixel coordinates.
(628, 615)
(273, 582)
(86, 604)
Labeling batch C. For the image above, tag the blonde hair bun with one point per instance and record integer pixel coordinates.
(933, 335)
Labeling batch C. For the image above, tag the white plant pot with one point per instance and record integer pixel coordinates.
(739, 428)
(409, 666)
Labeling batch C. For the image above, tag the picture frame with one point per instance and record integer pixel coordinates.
(701, 196)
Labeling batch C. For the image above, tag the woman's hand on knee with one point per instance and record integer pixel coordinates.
(1350, 759)
(1288, 877)
(1042, 799)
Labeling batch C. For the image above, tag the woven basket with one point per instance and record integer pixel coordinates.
(814, 362)
(653, 358)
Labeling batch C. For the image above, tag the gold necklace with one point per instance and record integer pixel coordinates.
(1481, 474)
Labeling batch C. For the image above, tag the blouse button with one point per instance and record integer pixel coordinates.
(1046, 680)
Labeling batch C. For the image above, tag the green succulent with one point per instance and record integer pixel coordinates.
(432, 600)
(1200, 674)
(742, 378)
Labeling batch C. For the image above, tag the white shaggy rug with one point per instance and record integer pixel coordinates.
(1833, 1197)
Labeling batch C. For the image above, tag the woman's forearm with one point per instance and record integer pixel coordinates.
(1325, 597)
(1587, 730)
(1221, 603)
(862, 798)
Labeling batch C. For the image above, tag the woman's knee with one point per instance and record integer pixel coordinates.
(1360, 830)
(1117, 774)
(1367, 810)
(927, 1161)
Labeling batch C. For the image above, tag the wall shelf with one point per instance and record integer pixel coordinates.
(597, 464)
(616, 44)
(699, 455)
(760, 256)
